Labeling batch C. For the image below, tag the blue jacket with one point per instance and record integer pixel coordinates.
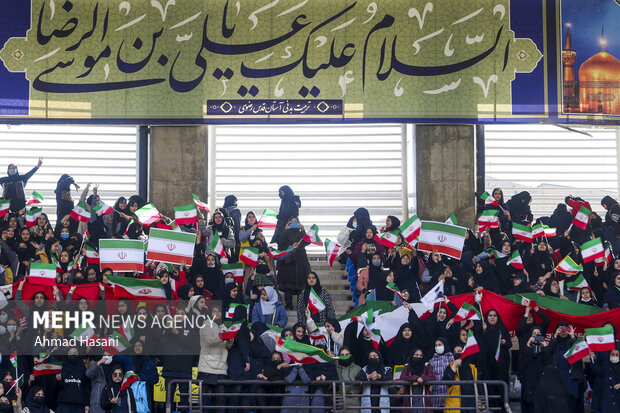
(280, 318)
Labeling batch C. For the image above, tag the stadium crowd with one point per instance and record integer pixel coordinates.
(427, 346)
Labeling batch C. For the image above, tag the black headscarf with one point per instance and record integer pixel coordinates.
(416, 365)
(221, 227)
(402, 348)
(317, 287)
(395, 223)
(34, 406)
(362, 218)
(375, 364)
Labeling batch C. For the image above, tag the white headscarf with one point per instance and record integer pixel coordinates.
(269, 306)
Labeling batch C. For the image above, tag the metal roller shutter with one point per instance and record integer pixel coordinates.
(99, 154)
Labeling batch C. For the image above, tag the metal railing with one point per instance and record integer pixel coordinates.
(342, 396)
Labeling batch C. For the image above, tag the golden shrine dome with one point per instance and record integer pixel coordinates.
(600, 67)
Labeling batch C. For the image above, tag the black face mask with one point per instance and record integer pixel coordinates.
(6, 407)
(417, 362)
(373, 363)
(38, 399)
(262, 269)
(73, 357)
(346, 362)
(457, 356)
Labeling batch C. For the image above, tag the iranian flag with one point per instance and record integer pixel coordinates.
(231, 309)
(92, 256)
(568, 266)
(592, 250)
(137, 289)
(216, 245)
(236, 270)
(304, 353)
(102, 209)
(452, 220)
(119, 343)
(600, 262)
(600, 339)
(471, 347)
(268, 220)
(148, 214)
(410, 229)
(42, 274)
(315, 335)
(84, 333)
(280, 254)
(199, 204)
(538, 231)
(315, 304)
(549, 232)
(124, 255)
(387, 239)
(398, 372)
(249, 256)
(185, 215)
(522, 232)
(488, 219)
(36, 198)
(582, 217)
(229, 333)
(392, 287)
(577, 284)
(467, 312)
(31, 216)
(444, 238)
(578, 351)
(331, 249)
(81, 212)
(129, 379)
(4, 207)
(171, 246)
(495, 253)
(312, 236)
(488, 199)
(13, 359)
(515, 260)
(47, 368)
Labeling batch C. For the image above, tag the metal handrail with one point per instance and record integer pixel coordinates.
(341, 386)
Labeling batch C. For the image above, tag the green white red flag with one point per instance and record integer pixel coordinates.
(452, 220)
(171, 246)
(102, 209)
(31, 216)
(410, 229)
(522, 232)
(577, 283)
(582, 217)
(129, 379)
(268, 220)
(42, 274)
(592, 250)
(249, 256)
(13, 359)
(36, 198)
(236, 270)
(199, 204)
(120, 343)
(280, 254)
(600, 262)
(304, 353)
(467, 312)
(231, 309)
(81, 212)
(578, 351)
(568, 266)
(538, 231)
(122, 255)
(515, 260)
(394, 288)
(92, 256)
(216, 245)
(444, 238)
(600, 339)
(471, 347)
(47, 368)
(137, 289)
(387, 239)
(148, 214)
(495, 253)
(398, 372)
(312, 236)
(488, 199)
(315, 304)
(332, 250)
(4, 207)
(84, 333)
(230, 332)
(488, 219)
(549, 232)
(185, 215)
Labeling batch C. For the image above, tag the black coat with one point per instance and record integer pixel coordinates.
(13, 188)
(126, 399)
(550, 395)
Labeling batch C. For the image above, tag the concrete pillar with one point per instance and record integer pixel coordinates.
(178, 166)
(446, 172)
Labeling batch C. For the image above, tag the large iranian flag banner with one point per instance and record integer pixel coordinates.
(304, 353)
(171, 246)
(125, 255)
(446, 239)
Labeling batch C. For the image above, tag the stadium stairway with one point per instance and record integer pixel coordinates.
(334, 280)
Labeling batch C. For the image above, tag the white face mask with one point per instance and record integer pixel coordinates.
(228, 280)
(12, 171)
(614, 360)
(439, 349)
(354, 224)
